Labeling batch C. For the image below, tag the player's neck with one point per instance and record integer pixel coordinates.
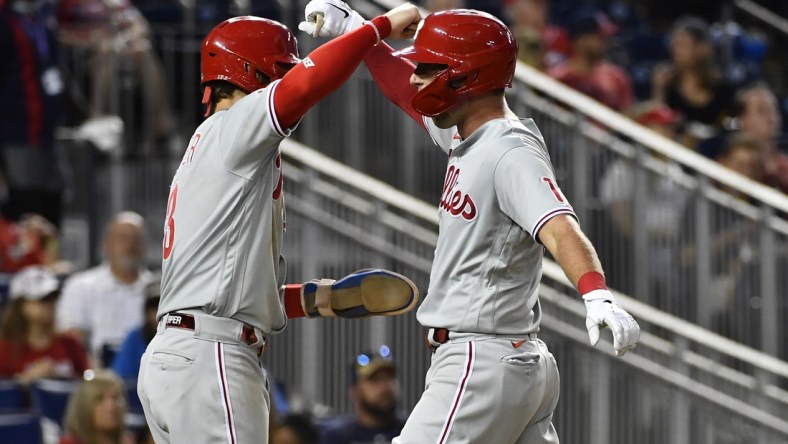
(228, 102)
(481, 111)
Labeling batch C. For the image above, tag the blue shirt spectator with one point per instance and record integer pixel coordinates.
(126, 362)
(347, 430)
(374, 393)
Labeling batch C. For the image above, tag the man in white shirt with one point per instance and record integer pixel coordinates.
(100, 306)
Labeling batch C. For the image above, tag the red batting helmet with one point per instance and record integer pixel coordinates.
(240, 48)
(480, 52)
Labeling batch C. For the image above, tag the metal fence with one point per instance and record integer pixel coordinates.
(683, 384)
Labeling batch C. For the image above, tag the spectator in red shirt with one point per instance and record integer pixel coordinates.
(540, 43)
(29, 347)
(587, 71)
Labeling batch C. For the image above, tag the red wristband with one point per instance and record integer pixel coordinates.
(591, 281)
(383, 25)
(293, 307)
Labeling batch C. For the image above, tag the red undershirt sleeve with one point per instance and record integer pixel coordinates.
(392, 74)
(324, 70)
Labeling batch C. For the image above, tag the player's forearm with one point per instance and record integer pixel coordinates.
(325, 70)
(392, 75)
(573, 252)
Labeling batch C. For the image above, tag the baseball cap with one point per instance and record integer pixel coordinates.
(34, 283)
(659, 115)
(591, 22)
(368, 363)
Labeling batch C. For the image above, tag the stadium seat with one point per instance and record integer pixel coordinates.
(5, 280)
(135, 406)
(19, 428)
(135, 417)
(50, 397)
(12, 397)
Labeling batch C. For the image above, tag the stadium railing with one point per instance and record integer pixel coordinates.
(682, 384)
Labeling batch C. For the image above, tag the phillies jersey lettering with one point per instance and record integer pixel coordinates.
(499, 191)
(453, 200)
(225, 218)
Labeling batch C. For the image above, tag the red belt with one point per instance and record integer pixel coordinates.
(436, 337)
(186, 322)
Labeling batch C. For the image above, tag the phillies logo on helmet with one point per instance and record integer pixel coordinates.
(453, 200)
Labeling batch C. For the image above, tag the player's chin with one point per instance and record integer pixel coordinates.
(444, 120)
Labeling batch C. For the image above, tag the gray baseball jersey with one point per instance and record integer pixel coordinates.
(499, 191)
(225, 218)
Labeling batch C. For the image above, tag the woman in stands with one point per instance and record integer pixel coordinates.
(692, 85)
(96, 411)
(30, 348)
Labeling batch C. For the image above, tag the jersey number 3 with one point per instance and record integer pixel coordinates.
(169, 224)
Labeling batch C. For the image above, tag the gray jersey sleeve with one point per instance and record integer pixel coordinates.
(445, 139)
(250, 132)
(526, 188)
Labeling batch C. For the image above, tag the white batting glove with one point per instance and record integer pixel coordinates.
(329, 18)
(602, 311)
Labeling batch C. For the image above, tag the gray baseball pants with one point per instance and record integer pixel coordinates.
(486, 390)
(204, 385)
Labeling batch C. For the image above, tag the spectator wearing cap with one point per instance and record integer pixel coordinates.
(127, 360)
(102, 305)
(587, 69)
(375, 396)
(692, 84)
(659, 118)
(30, 348)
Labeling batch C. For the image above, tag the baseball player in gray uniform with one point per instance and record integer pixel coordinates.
(491, 379)
(200, 379)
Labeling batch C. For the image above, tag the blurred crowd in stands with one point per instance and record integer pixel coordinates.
(679, 68)
(712, 81)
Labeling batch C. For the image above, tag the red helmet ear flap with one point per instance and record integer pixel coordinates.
(435, 98)
(479, 49)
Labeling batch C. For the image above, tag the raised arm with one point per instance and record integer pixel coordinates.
(330, 65)
(391, 73)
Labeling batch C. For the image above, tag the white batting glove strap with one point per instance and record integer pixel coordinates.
(338, 18)
(602, 311)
